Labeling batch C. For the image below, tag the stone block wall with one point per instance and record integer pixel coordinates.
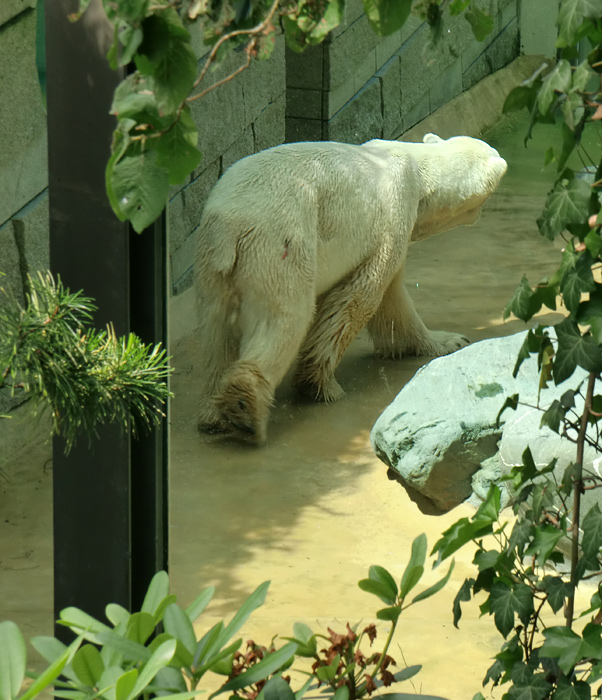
(240, 117)
(355, 86)
(23, 158)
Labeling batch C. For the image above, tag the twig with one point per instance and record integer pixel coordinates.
(238, 32)
(577, 490)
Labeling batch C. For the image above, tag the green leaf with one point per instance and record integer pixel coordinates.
(117, 614)
(278, 689)
(573, 110)
(52, 672)
(381, 575)
(521, 304)
(199, 604)
(520, 97)
(166, 55)
(387, 16)
(140, 186)
(377, 588)
(389, 614)
(510, 402)
(13, 659)
(592, 532)
(572, 690)
(132, 651)
(553, 416)
(590, 313)
(489, 510)
(577, 277)
(593, 243)
(563, 644)
(305, 640)
(462, 596)
(567, 203)
(341, 693)
(140, 626)
(126, 684)
(436, 587)
(254, 601)
(505, 601)
(83, 623)
(481, 22)
(458, 535)
(571, 16)
(268, 665)
(415, 568)
(558, 80)
(538, 688)
(574, 350)
(177, 623)
(545, 540)
(158, 660)
(176, 148)
(87, 665)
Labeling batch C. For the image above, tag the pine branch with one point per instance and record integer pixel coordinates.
(84, 376)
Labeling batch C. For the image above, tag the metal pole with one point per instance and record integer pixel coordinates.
(109, 496)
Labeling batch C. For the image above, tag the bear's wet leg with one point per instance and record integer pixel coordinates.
(397, 330)
(341, 313)
(270, 340)
(217, 340)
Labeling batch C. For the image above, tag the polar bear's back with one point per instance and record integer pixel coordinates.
(330, 202)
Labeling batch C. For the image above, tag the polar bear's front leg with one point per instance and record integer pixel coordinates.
(340, 315)
(397, 330)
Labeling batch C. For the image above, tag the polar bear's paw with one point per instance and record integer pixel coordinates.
(441, 343)
(327, 391)
(244, 400)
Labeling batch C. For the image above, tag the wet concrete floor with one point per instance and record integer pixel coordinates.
(314, 509)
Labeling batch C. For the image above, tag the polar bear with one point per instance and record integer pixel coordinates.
(302, 245)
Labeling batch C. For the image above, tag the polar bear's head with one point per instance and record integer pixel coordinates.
(458, 174)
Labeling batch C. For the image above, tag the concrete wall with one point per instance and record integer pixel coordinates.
(356, 86)
(23, 158)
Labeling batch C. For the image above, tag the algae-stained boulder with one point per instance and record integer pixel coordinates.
(442, 425)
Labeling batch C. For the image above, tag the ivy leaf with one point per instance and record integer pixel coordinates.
(140, 186)
(462, 596)
(521, 303)
(521, 535)
(572, 690)
(593, 243)
(537, 688)
(544, 541)
(563, 644)
(176, 148)
(567, 203)
(505, 601)
(592, 532)
(577, 277)
(553, 416)
(558, 80)
(571, 16)
(573, 110)
(557, 590)
(574, 350)
(387, 16)
(167, 56)
(590, 314)
(480, 22)
(520, 97)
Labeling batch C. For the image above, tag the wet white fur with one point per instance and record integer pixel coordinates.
(302, 245)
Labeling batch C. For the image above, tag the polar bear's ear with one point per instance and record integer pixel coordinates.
(431, 138)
